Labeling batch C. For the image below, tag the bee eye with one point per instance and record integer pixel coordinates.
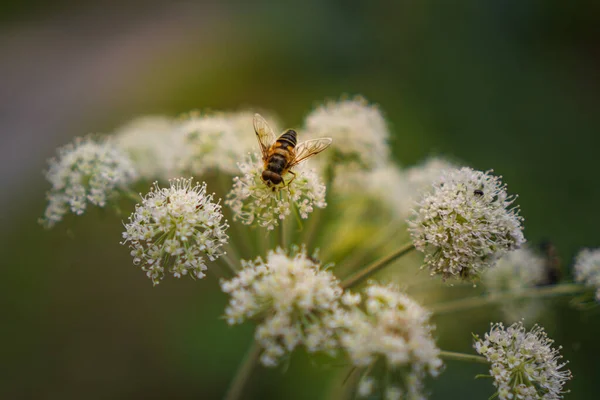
(478, 192)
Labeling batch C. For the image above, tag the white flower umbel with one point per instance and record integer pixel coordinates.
(465, 224)
(174, 229)
(358, 130)
(89, 170)
(523, 364)
(253, 202)
(587, 269)
(393, 329)
(217, 141)
(422, 176)
(289, 294)
(153, 144)
(517, 271)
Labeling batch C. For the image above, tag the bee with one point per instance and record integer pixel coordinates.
(280, 154)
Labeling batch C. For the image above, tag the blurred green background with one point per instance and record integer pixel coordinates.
(508, 85)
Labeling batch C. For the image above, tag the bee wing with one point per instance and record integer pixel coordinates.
(264, 134)
(309, 148)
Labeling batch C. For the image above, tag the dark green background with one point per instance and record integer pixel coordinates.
(508, 85)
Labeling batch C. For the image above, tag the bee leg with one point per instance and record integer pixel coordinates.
(291, 180)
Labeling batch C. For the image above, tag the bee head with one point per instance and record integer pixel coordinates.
(271, 178)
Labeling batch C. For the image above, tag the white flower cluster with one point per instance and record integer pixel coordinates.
(514, 272)
(400, 189)
(587, 269)
(291, 295)
(173, 228)
(153, 144)
(394, 328)
(523, 364)
(216, 141)
(420, 177)
(358, 130)
(465, 224)
(253, 202)
(87, 170)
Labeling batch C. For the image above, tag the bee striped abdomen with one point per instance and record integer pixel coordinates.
(289, 138)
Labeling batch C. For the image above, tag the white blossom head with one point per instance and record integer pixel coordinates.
(216, 141)
(391, 327)
(153, 144)
(517, 271)
(387, 184)
(465, 224)
(290, 294)
(255, 203)
(358, 130)
(587, 269)
(523, 364)
(174, 229)
(89, 170)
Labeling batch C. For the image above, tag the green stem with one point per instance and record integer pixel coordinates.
(478, 301)
(451, 355)
(243, 373)
(376, 266)
(230, 264)
(282, 235)
(131, 195)
(318, 216)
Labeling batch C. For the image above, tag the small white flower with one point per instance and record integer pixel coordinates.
(517, 271)
(290, 295)
(87, 170)
(587, 269)
(253, 202)
(366, 386)
(392, 327)
(422, 176)
(153, 144)
(396, 188)
(174, 228)
(465, 224)
(216, 141)
(523, 364)
(358, 130)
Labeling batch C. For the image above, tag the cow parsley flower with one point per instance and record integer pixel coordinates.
(514, 272)
(392, 328)
(587, 269)
(89, 170)
(358, 130)
(523, 364)
(253, 202)
(153, 144)
(175, 228)
(289, 294)
(465, 224)
(388, 184)
(216, 141)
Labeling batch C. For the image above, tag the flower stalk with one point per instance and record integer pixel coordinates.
(480, 301)
(243, 373)
(363, 274)
(451, 355)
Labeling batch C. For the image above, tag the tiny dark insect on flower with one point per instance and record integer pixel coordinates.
(478, 192)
